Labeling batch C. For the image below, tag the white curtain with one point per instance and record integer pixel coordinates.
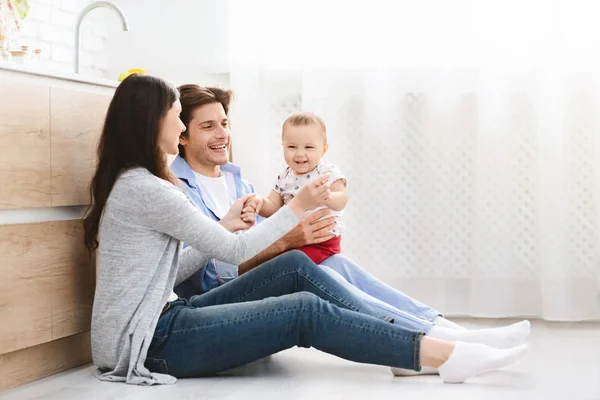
(469, 133)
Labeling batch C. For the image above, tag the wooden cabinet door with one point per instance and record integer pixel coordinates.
(24, 145)
(76, 119)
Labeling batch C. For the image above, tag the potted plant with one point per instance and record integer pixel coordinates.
(12, 13)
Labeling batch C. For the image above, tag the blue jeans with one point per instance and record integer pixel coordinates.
(286, 302)
(357, 280)
(402, 318)
(377, 293)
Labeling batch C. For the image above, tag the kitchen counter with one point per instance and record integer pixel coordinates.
(37, 71)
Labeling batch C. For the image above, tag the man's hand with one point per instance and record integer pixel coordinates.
(310, 230)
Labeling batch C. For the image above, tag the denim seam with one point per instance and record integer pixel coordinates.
(257, 287)
(417, 354)
(162, 361)
(401, 316)
(241, 319)
(341, 321)
(432, 314)
(214, 264)
(311, 281)
(340, 300)
(315, 284)
(169, 327)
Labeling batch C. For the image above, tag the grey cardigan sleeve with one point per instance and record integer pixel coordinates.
(162, 207)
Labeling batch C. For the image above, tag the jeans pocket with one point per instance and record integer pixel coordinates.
(157, 365)
(162, 330)
(163, 326)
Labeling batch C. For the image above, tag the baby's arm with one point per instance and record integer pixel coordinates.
(338, 197)
(271, 204)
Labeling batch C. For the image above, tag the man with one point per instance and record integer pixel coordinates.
(213, 184)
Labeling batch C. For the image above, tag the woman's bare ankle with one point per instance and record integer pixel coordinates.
(435, 352)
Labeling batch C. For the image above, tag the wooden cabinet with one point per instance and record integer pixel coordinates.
(76, 120)
(46, 359)
(48, 139)
(49, 130)
(47, 285)
(24, 145)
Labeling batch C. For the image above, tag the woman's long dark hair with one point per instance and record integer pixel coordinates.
(129, 139)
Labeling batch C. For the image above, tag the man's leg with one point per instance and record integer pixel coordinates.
(400, 316)
(402, 305)
(372, 286)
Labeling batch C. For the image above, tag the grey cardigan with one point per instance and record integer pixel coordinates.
(140, 259)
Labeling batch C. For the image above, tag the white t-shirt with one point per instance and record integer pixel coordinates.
(288, 184)
(218, 191)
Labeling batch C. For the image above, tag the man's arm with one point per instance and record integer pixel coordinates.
(270, 252)
(309, 231)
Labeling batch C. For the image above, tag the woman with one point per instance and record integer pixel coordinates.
(142, 334)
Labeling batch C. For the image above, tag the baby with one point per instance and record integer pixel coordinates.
(304, 145)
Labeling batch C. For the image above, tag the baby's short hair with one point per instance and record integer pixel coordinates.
(304, 119)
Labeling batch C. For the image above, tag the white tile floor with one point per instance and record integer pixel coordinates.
(563, 363)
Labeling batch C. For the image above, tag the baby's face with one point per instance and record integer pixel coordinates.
(303, 147)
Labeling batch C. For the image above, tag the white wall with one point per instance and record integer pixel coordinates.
(50, 26)
(180, 40)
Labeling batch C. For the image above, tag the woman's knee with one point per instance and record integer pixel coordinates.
(297, 256)
(308, 306)
(299, 260)
(305, 300)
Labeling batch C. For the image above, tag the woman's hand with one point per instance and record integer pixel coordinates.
(240, 216)
(312, 195)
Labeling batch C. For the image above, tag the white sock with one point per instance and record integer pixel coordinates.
(410, 372)
(438, 321)
(444, 323)
(471, 359)
(499, 338)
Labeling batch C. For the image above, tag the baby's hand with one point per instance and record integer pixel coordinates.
(251, 208)
(255, 202)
